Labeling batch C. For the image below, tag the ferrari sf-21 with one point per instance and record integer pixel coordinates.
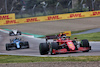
(63, 44)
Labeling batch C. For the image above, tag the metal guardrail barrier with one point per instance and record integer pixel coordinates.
(45, 8)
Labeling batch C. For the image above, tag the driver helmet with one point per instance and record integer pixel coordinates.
(63, 37)
(60, 34)
(16, 38)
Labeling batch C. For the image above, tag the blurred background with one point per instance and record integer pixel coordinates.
(34, 8)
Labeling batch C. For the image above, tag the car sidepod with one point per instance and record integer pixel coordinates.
(70, 45)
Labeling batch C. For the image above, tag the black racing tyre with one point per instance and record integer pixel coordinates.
(26, 44)
(7, 47)
(19, 33)
(53, 45)
(84, 43)
(10, 33)
(43, 48)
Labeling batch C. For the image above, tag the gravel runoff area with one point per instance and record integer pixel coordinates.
(53, 64)
(51, 27)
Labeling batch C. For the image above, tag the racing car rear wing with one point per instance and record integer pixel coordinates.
(51, 37)
(67, 33)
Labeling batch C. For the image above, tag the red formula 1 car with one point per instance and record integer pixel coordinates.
(63, 44)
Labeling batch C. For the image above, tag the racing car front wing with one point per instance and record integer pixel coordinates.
(64, 50)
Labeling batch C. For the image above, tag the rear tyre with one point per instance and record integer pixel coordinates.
(85, 43)
(53, 45)
(7, 47)
(10, 33)
(27, 44)
(43, 48)
(19, 33)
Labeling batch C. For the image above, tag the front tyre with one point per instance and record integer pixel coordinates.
(85, 43)
(53, 45)
(43, 48)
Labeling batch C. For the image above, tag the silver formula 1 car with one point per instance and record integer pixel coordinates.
(14, 33)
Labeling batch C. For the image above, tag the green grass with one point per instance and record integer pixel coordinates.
(25, 59)
(90, 36)
(73, 32)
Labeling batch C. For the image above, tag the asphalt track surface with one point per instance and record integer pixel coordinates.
(34, 48)
(52, 27)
